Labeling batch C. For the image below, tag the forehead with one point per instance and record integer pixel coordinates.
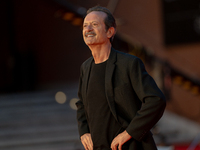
(95, 16)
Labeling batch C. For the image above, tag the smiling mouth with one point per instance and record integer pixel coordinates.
(90, 34)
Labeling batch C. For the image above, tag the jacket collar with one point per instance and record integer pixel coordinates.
(110, 67)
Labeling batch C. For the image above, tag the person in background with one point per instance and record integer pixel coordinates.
(119, 102)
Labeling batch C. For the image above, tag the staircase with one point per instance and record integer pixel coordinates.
(35, 121)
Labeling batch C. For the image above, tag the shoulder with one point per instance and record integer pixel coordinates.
(123, 57)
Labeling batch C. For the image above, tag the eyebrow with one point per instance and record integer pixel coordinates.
(91, 22)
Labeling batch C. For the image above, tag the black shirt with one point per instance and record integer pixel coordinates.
(102, 124)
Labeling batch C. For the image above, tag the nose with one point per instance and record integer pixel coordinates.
(88, 28)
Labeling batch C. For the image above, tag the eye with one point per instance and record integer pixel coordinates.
(85, 25)
(94, 24)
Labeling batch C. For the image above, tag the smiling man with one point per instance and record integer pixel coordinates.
(119, 101)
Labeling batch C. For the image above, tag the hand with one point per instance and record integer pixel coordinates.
(87, 141)
(119, 140)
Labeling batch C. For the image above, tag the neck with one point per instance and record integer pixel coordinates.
(100, 53)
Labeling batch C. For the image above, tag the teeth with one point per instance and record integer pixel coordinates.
(90, 35)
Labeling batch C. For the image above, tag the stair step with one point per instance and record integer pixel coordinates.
(36, 121)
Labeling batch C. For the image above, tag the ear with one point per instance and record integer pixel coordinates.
(110, 32)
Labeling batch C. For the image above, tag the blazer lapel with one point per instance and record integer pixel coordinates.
(108, 82)
(86, 76)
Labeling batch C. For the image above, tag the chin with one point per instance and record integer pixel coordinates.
(89, 43)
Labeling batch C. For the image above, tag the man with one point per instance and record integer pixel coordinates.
(119, 101)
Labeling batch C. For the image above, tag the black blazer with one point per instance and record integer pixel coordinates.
(133, 97)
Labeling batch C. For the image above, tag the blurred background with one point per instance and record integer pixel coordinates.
(41, 50)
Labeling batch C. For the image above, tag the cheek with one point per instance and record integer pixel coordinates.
(83, 33)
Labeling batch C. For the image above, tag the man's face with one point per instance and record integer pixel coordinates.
(94, 31)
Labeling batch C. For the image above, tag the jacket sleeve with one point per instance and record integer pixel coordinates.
(153, 101)
(81, 114)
